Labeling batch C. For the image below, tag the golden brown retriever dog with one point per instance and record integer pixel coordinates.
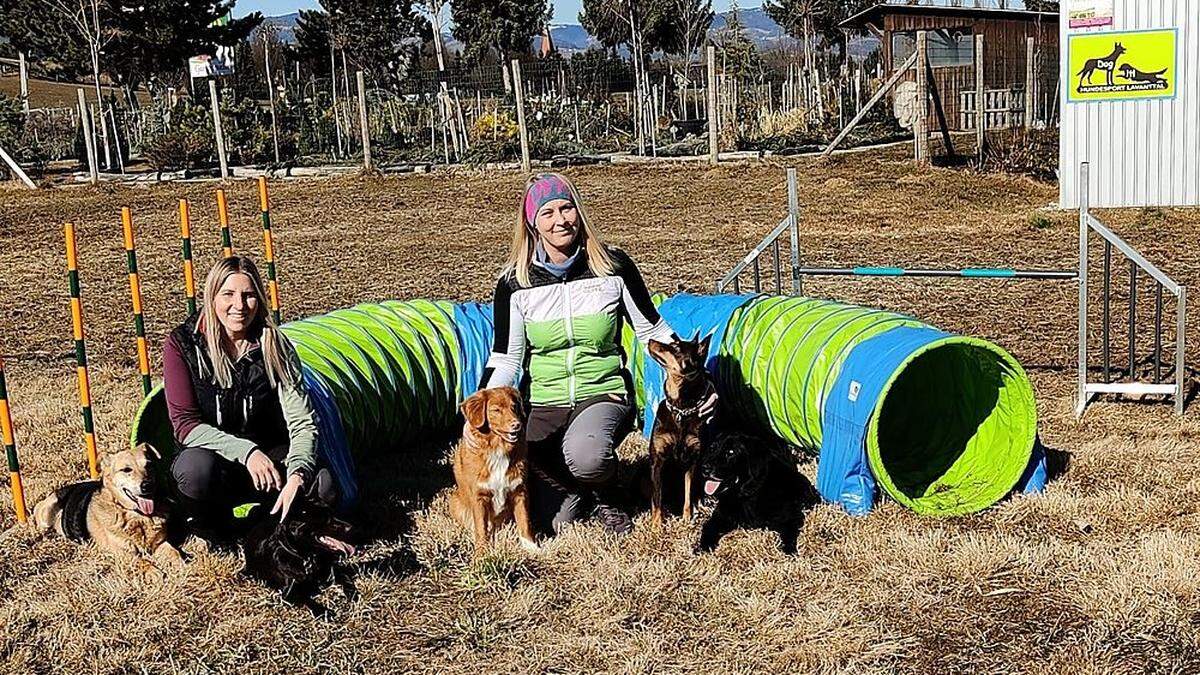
(119, 512)
(490, 467)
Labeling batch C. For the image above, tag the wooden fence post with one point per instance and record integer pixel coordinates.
(519, 90)
(921, 126)
(712, 105)
(362, 120)
(980, 99)
(89, 144)
(217, 132)
(1030, 80)
(24, 83)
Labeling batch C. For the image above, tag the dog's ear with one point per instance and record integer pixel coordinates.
(703, 348)
(661, 352)
(149, 450)
(474, 410)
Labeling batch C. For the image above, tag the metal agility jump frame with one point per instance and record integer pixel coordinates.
(1088, 224)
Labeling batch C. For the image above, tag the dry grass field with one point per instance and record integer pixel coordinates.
(1101, 573)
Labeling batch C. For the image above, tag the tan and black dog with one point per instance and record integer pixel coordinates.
(678, 427)
(120, 512)
(490, 467)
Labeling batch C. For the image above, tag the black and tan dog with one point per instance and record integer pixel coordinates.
(678, 434)
(299, 556)
(754, 488)
(121, 512)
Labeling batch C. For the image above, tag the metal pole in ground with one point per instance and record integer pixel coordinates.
(712, 105)
(81, 364)
(1081, 393)
(794, 229)
(217, 132)
(10, 450)
(264, 204)
(89, 144)
(135, 293)
(519, 91)
(1180, 348)
(362, 121)
(223, 219)
(189, 274)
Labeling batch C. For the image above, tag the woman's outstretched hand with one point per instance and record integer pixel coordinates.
(263, 473)
(287, 495)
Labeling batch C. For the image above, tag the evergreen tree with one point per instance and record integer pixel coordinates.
(140, 41)
(381, 37)
(312, 41)
(503, 27)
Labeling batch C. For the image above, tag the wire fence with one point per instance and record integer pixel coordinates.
(592, 104)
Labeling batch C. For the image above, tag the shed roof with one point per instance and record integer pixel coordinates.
(874, 15)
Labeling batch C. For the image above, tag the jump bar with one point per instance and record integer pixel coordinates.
(970, 273)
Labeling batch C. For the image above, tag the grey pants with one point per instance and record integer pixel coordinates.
(573, 456)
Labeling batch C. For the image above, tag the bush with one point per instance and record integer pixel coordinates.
(185, 143)
(1031, 153)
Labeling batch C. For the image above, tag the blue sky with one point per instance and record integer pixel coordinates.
(565, 11)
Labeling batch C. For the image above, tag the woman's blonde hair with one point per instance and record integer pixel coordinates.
(524, 238)
(271, 341)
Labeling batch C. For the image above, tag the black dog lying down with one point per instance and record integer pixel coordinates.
(753, 488)
(299, 556)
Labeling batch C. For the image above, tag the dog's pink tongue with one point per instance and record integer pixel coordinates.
(710, 487)
(146, 506)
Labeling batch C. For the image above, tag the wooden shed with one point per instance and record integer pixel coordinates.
(1013, 39)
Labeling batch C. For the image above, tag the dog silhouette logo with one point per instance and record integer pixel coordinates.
(1107, 64)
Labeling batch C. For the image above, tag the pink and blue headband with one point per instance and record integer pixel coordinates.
(545, 189)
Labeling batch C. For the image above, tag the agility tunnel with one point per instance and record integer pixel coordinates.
(943, 424)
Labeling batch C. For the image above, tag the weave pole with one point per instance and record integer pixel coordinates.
(223, 217)
(264, 204)
(135, 293)
(81, 367)
(189, 273)
(10, 449)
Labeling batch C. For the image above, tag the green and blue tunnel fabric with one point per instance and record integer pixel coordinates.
(843, 471)
(950, 430)
(475, 325)
(690, 316)
(332, 449)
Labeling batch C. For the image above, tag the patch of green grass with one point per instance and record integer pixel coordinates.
(1039, 221)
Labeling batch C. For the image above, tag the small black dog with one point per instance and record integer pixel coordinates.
(753, 488)
(299, 556)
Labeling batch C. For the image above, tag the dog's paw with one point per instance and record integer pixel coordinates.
(530, 545)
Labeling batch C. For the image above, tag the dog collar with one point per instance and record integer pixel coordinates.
(681, 413)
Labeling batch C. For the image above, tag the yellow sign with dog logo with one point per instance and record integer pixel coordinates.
(1117, 66)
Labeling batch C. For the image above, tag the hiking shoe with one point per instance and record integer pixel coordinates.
(613, 520)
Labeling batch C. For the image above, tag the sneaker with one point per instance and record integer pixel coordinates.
(613, 520)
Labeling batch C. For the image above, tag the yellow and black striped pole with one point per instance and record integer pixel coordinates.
(81, 368)
(269, 247)
(189, 273)
(135, 293)
(223, 218)
(10, 449)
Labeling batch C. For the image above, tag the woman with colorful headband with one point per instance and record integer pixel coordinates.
(559, 307)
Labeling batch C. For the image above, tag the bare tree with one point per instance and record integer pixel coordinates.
(84, 17)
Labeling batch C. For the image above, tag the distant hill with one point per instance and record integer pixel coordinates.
(286, 24)
(570, 38)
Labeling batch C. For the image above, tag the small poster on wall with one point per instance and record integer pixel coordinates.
(1122, 65)
(1090, 13)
